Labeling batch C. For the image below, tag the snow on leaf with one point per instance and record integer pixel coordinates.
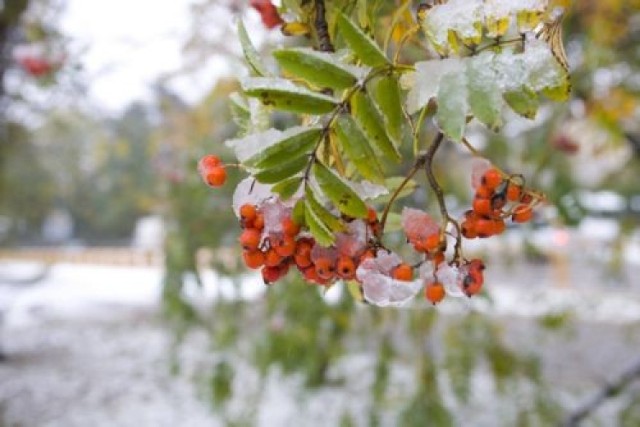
(425, 82)
(354, 241)
(479, 166)
(368, 190)
(460, 16)
(418, 224)
(451, 278)
(507, 8)
(274, 211)
(379, 288)
(247, 147)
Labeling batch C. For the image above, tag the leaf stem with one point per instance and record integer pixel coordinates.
(322, 28)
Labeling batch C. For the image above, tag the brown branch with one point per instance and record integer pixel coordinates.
(610, 390)
(322, 28)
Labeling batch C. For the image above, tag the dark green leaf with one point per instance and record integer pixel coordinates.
(284, 95)
(370, 121)
(317, 68)
(387, 96)
(340, 194)
(250, 53)
(294, 146)
(357, 148)
(287, 188)
(524, 102)
(284, 170)
(366, 49)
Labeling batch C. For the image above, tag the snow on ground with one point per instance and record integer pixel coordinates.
(86, 346)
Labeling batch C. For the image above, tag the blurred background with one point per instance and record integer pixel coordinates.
(123, 301)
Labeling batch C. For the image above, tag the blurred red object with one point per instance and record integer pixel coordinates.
(268, 13)
(565, 144)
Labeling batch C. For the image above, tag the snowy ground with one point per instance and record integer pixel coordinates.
(86, 346)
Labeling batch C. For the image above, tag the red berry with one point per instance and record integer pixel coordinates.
(403, 272)
(432, 242)
(253, 259)
(325, 268)
(273, 274)
(215, 177)
(434, 292)
(482, 206)
(289, 227)
(491, 179)
(209, 162)
(258, 223)
(514, 192)
(248, 213)
(284, 246)
(372, 216)
(346, 268)
(250, 239)
(522, 213)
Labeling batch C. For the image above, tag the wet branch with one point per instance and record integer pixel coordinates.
(322, 29)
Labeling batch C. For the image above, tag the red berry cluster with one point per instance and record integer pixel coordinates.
(491, 207)
(212, 170)
(268, 13)
(276, 252)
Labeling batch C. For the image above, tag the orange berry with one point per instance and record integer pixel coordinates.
(289, 227)
(522, 213)
(258, 222)
(253, 259)
(484, 227)
(526, 198)
(468, 229)
(492, 179)
(325, 268)
(346, 268)
(250, 239)
(215, 177)
(311, 275)
(431, 242)
(498, 226)
(271, 258)
(514, 192)
(483, 192)
(403, 272)
(482, 206)
(434, 292)
(284, 246)
(209, 161)
(302, 261)
(248, 213)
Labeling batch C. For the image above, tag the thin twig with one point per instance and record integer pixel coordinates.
(322, 29)
(610, 390)
(416, 167)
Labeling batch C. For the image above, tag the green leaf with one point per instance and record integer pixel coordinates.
(357, 148)
(366, 49)
(333, 223)
(250, 53)
(284, 95)
(452, 105)
(298, 212)
(340, 194)
(370, 121)
(387, 95)
(285, 169)
(484, 97)
(524, 102)
(240, 112)
(317, 68)
(297, 145)
(287, 188)
(392, 184)
(320, 231)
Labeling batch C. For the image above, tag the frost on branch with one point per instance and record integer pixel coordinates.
(377, 285)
